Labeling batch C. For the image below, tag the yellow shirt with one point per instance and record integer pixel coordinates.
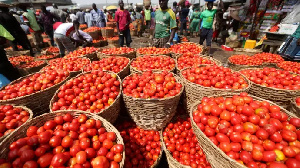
(4, 33)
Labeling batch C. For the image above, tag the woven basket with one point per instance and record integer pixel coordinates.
(152, 114)
(141, 55)
(57, 56)
(110, 113)
(38, 101)
(101, 43)
(130, 55)
(17, 53)
(95, 34)
(294, 108)
(215, 155)
(278, 96)
(135, 70)
(113, 42)
(111, 24)
(30, 117)
(176, 55)
(237, 67)
(133, 32)
(27, 71)
(40, 120)
(107, 33)
(195, 92)
(92, 56)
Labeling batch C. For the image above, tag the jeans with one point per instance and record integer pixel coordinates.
(206, 34)
(50, 35)
(63, 43)
(127, 36)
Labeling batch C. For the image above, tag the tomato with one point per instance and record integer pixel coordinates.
(67, 141)
(277, 165)
(45, 160)
(30, 164)
(27, 155)
(269, 156)
(292, 163)
(262, 134)
(100, 161)
(31, 131)
(55, 141)
(288, 135)
(44, 137)
(59, 159)
(81, 157)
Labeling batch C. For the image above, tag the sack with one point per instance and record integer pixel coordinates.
(3, 81)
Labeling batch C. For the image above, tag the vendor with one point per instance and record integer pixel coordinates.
(291, 47)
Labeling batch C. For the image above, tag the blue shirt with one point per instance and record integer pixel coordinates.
(98, 17)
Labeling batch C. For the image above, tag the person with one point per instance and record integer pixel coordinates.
(15, 15)
(175, 7)
(97, 17)
(291, 47)
(231, 26)
(152, 18)
(72, 16)
(82, 39)
(123, 20)
(10, 23)
(206, 32)
(6, 67)
(30, 19)
(165, 21)
(80, 17)
(139, 22)
(195, 19)
(183, 13)
(109, 16)
(47, 20)
(147, 17)
(87, 18)
(59, 14)
(105, 15)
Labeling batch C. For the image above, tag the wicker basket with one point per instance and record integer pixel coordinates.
(141, 55)
(27, 71)
(113, 42)
(91, 56)
(100, 43)
(215, 155)
(107, 33)
(294, 108)
(237, 67)
(38, 101)
(195, 92)
(152, 114)
(110, 113)
(135, 70)
(111, 24)
(56, 56)
(133, 32)
(17, 53)
(40, 120)
(30, 117)
(95, 34)
(176, 55)
(130, 55)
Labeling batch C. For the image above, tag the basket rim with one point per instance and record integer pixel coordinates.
(229, 95)
(135, 68)
(41, 65)
(262, 64)
(56, 92)
(131, 52)
(48, 62)
(200, 55)
(56, 55)
(152, 54)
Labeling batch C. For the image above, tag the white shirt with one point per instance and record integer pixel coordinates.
(84, 35)
(73, 17)
(65, 29)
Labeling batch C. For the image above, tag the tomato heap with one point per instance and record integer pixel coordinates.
(182, 143)
(272, 77)
(112, 38)
(70, 64)
(153, 62)
(114, 64)
(269, 57)
(106, 28)
(33, 83)
(81, 52)
(153, 50)
(151, 85)
(255, 133)
(66, 141)
(117, 51)
(31, 64)
(45, 57)
(191, 60)
(142, 147)
(53, 50)
(11, 118)
(186, 47)
(92, 29)
(91, 92)
(290, 66)
(215, 76)
(244, 60)
(20, 59)
(298, 101)
(83, 26)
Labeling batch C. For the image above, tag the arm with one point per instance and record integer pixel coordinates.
(200, 25)
(116, 20)
(221, 5)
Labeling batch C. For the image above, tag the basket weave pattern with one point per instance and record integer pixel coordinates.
(107, 33)
(130, 55)
(294, 108)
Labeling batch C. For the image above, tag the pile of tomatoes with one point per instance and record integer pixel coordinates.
(182, 143)
(31, 64)
(151, 85)
(290, 66)
(114, 64)
(186, 47)
(81, 52)
(33, 83)
(269, 57)
(257, 59)
(142, 147)
(255, 133)
(91, 92)
(92, 29)
(11, 118)
(70, 64)
(46, 57)
(148, 62)
(53, 50)
(298, 101)
(66, 141)
(191, 60)
(83, 26)
(215, 76)
(106, 28)
(112, 38)
(153, 51)
(117, 51)
(272, 77)
(20, 59)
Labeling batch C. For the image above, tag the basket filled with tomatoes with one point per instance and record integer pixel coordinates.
(208, 80)
(273, 84)
(31, 67)
(96, 92)
(186, 47)
(188, 152)
(143, 147)
(83, 27)
(69, 138)
(153, 63)
(117, 51)
(100, 43)
(107, 32)
(290, 66)
(16, 53)
(21, 59)
(151, 98)
(111, 24)
(153, 51)
(50, 51)
(47, 57)
(118, 65)
(241, 130)
(113, 41)
(33, 91)
(295, 106)
(88, 52)
(12, 117)
(94, 32)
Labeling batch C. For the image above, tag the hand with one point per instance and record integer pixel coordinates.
(167, 45)
(298, 42)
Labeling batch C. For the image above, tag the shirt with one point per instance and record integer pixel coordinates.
(296, 34)
(165, 20)
(147, 14)
(98, 17)
(208, 18)
(4, 33)
(80, 16)
(73, 17)
(25, 28)
(58, 13)
(123, 17)
(47, 19)
(87, 19)
(138, 15)
(65, 29)
(30, 17)
(9, 22)
(84, 35)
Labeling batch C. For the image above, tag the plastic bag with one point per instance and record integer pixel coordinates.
(3, 81)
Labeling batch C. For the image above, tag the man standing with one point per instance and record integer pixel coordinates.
(206, 32)
(123, 20)
(147, 17)
(80, 16)
(87, 18)
(48, 20)
(97, 17)
(184, 12)
(165, 21)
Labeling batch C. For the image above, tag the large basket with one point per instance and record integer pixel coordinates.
(125, 72)
(27, 71)
(17, 53)
(130, 55)
(40, 120)
(152, 114)
(110, 113)
(215, 155)
(107, 33)
(111, 24)
(37, 102)
(176, 55)
(195, 92)
(141, 55)
(237, 67)
(30, 117)
(48, 59)
(100, 43)
(113, 42)
(294, 108)
(95, 34)
(91, 56)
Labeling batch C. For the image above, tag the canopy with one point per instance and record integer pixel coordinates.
(112, 7)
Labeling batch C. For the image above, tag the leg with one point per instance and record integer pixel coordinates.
(184, 28)
(14, 45)
(121, 39)
(208, 40)
(60, 45)
(50, 35)
(202, 36)
(69, 46)
(181, 28)
(25, 43)
(128, 37)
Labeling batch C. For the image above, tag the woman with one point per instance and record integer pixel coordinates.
(194, 26)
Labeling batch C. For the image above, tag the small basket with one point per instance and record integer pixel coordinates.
(40, 120)
(294, 108)
(107, 33)
(152, 114)
(27, 71)
(214, 154)
(130, 55)
(38, 101)
(110, 113)
(30, 117)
